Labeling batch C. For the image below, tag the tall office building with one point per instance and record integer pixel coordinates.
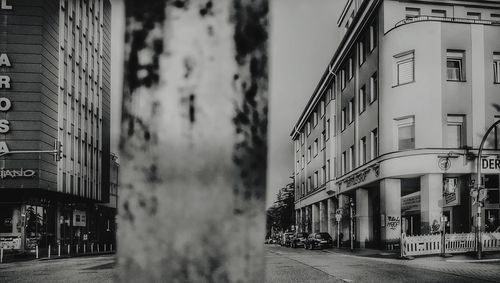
(54, 94)
(394, 125)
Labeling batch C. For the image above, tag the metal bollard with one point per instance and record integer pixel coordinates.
(84, 248)
(104, 247)
(68, 249)
(97, 247)
(92, 248)
(49, 252)
(111, 247)
(1, 255)
(216, 90)
(77, 248)
(59, 250)
(36, 251)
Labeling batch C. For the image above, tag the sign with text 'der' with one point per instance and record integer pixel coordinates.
(491, 163)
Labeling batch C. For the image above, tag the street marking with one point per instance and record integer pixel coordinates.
(347, 280)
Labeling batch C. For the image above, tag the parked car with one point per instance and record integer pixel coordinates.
(319, 240)
(286, 239)
(299, 239)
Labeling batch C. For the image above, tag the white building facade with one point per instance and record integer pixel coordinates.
(393, 126)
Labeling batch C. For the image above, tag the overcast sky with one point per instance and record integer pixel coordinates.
(303, 37)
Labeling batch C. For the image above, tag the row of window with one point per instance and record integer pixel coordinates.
(413, 12)
(348, 161)
(315, 181)
(455, 67)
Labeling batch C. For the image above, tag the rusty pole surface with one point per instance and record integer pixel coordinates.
(194, 141)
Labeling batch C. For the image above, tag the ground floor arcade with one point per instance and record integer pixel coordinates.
(378, 212)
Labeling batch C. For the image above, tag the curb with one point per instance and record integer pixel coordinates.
(473, 260)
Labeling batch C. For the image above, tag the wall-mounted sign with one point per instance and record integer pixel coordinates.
(410, 202)
(5, 103)
(79, 218)
(16, 173)
(4, 5)
(490, 163)
(444, 163)
(451, 192)
(8, 243)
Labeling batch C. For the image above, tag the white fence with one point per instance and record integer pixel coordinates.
(454, 243)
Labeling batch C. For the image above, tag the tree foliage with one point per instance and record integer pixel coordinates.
(281, 216)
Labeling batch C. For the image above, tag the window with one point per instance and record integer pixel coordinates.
(315, 149)
(308, 128)
(497, 133)
(343, 118)
(316, 179)
(322, 108)
(455, 131)
(309, 154)
(373, 37)
(362, 99)
(454, 66)
(315, 118)
(406, 133)
(374, 144)
(474, 15)
(350, 68)
(373, 87)
(351, 158)
(302, 138)
(309, 184)
(439, 13)
(351, 111)
(495, 17)
(362, 52)
(412, 12)
(327, 176)
(323, 175)
(405, 68)
(327, 130)
(343, 163)
(303, 161)
(496, 67)
(362, 151)
(342, 79)
(323, 140)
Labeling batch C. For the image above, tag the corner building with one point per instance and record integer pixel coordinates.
(56, 89)
(394, 125)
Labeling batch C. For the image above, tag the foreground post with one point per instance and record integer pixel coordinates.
(194, 142)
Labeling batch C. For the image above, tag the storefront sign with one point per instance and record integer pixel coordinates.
(10, 243)
(79, 218)
(5, 103)
(5, 6)
(451, 192)
(410, 202)
(490, 163)
(16, 173)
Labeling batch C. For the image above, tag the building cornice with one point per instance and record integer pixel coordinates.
(361, 18)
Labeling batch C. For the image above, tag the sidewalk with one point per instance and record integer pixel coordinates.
(373, 253)
(28, 256)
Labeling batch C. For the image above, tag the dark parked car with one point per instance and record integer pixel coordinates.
(319, 240)
(299, 239)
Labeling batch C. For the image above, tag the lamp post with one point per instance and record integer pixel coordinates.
(479, 187)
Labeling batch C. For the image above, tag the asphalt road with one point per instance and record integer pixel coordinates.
(299, 265)
(81, 269)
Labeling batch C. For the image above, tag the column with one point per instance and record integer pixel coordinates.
(330, 204)
(323, 222)
(308, 223)
(297, 220)
(315, 217)
(345, 221)
(390, 208)
(431, 196)
(364, 217)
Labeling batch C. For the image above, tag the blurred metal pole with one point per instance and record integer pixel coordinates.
(194, 141)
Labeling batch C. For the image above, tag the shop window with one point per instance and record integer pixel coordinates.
(474, 15)
(405, 133)
(455, 131)
(404, 68)
(455, 66)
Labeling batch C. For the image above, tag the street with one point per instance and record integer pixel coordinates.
(283, 265)
(80, 269)
(300, 265)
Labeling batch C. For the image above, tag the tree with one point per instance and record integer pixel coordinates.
(281, 216)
